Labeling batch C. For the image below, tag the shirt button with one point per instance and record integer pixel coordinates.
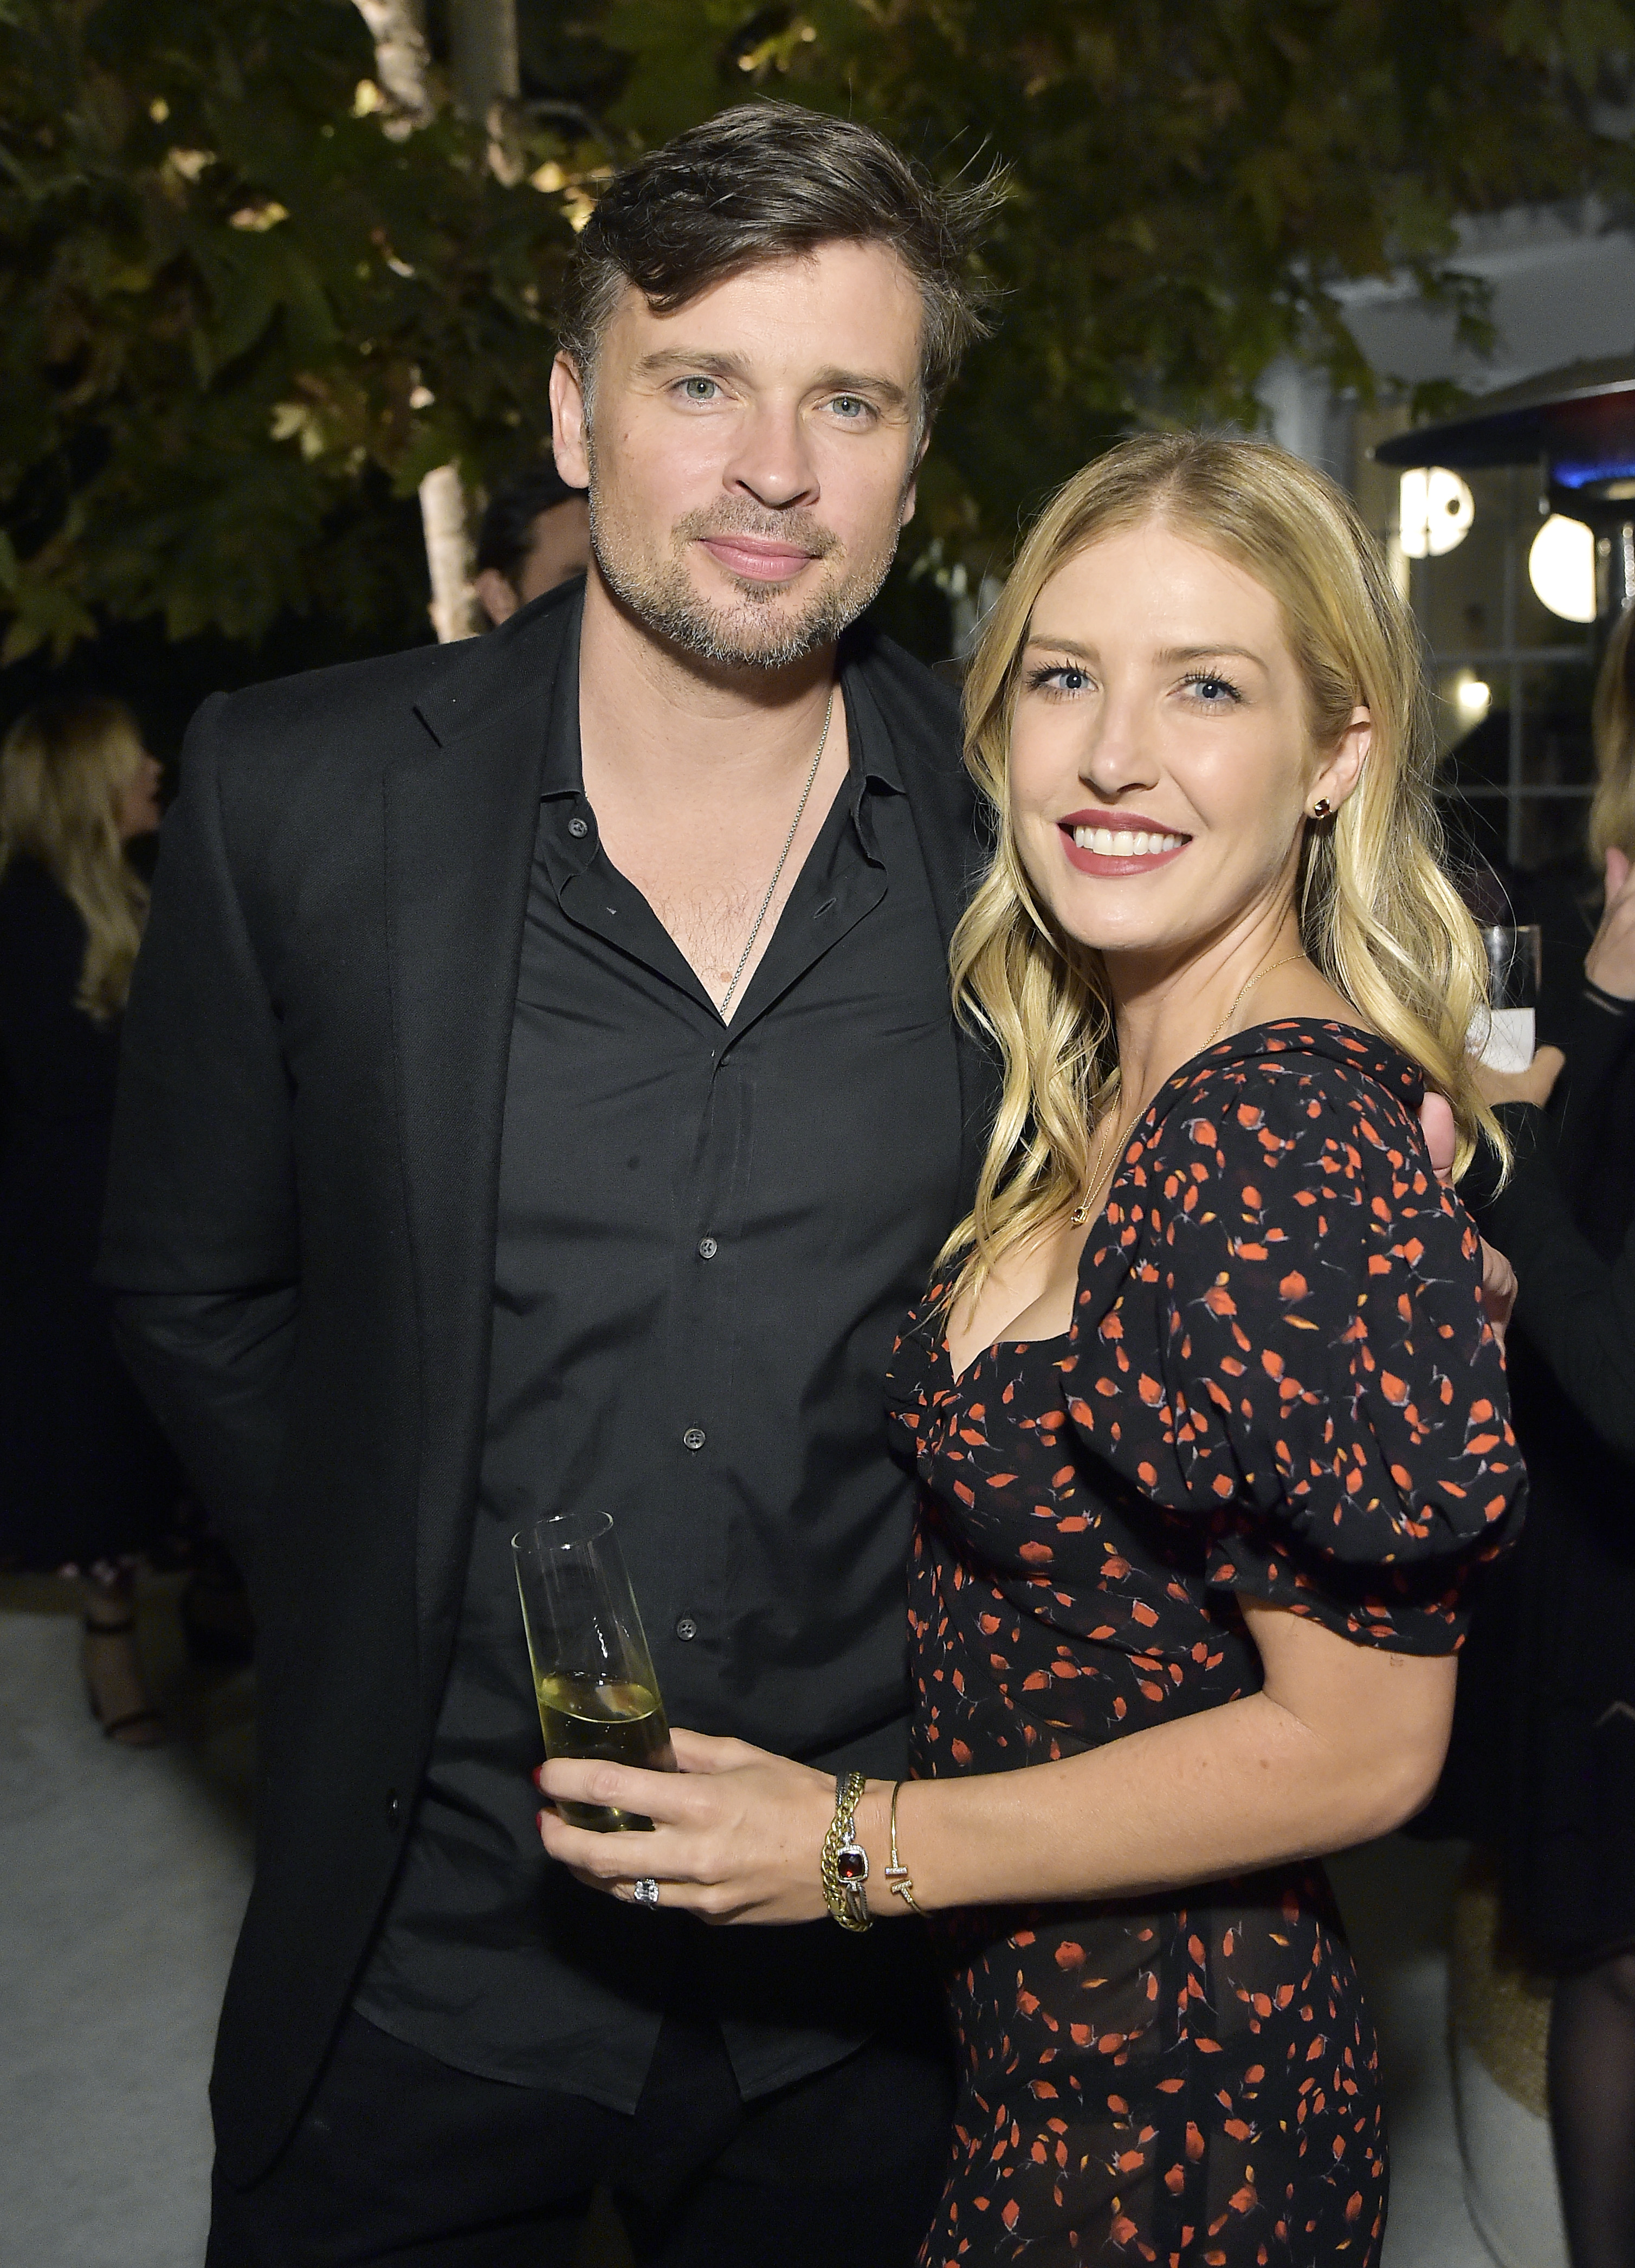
(707, 1248)
(579, 829)
(694, 1438)
(686, 1628)
(393, 1809)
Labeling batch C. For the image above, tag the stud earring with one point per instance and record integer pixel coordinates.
(1322, 807)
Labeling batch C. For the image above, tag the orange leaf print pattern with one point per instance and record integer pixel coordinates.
(1278, 1379)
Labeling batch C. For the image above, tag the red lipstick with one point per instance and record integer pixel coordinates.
(1115, 864)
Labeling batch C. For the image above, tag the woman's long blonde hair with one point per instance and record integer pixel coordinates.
(1612, 810)
(63, 768)
(1379, 915)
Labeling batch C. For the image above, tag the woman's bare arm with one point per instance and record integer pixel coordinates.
(1342, 1742)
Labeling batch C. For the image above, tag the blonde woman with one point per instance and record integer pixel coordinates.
(1210, 1425)
(83, 1478)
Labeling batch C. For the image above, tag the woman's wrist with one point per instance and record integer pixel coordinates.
(903, 1876)
(871, 1827)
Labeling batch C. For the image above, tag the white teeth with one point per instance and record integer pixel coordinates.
(1123, 843)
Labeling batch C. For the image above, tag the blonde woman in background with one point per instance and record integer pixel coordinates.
(84, 1480)
(1552, 1703)
(1210, 1425)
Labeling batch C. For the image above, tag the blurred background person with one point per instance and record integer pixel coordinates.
(1555, 1683)
(86, 1482)
(535, 534)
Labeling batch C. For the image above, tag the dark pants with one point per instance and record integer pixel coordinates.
(402, 2158)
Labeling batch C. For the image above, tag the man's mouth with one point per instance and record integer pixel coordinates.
(1108, 842)
(756, 559)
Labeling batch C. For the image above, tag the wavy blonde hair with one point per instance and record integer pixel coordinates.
(1378, 914)
(63, 768)
(1612, 809)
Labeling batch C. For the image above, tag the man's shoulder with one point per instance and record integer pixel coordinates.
(362, 715)
(350, 703)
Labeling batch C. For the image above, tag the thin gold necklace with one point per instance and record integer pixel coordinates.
(783, 857)
(1081, 1213)
(1287, 962)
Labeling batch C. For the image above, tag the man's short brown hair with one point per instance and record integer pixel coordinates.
(770, 180)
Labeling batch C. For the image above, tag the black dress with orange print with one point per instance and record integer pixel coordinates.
(1279, 1386)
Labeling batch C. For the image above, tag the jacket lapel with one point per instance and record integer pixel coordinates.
(460, 829)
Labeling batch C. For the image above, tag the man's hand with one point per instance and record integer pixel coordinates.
(1532, 1085)
(1499, 1277)
(1610, 964)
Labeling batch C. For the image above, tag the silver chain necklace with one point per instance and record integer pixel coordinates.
(783, 859)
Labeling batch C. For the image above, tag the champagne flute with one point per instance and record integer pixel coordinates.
(593, 1674)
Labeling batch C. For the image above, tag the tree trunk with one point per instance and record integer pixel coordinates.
(402, 61)
(448, 553)
(401, 58)
(482, 42)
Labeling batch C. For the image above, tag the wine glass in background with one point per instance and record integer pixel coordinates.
(1505, 1034)
(593, 1676)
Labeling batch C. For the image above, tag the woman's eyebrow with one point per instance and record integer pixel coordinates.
(1170, 654)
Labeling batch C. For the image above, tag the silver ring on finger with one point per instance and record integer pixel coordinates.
(644, 1892)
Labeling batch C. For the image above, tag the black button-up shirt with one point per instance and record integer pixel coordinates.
(707, 1235)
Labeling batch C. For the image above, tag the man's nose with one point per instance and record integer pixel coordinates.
(772, 460)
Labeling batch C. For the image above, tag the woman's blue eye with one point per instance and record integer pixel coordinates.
(1213, 690)
(1063, 677)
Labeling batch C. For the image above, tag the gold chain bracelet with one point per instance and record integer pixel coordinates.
(897, 1876)
(844, 1866)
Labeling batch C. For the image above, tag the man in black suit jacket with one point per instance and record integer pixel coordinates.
(539, 1088)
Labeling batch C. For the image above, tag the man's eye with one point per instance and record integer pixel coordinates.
(699, 390)
(849, 406)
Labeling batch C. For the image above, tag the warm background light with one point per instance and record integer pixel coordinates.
(1473, 699)
(1561, 567)
(1435, 509)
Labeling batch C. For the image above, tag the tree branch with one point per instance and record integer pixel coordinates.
(402, 59)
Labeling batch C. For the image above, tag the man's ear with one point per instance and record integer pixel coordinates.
(569, 439)
(911, 494)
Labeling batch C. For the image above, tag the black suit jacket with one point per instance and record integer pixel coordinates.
(301, 1221)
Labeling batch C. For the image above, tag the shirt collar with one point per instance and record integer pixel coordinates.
(872, 759)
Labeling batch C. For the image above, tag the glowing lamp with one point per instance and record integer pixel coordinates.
(1561, 568)
(1435, 509)
(1473, 699)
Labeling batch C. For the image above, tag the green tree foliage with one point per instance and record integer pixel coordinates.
(1189, 178)
(238, 321)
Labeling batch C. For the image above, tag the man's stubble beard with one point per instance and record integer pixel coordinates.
(659, 593)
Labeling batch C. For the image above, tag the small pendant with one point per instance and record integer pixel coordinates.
(1081, 1215)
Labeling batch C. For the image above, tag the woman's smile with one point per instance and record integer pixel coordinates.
(1115, 843)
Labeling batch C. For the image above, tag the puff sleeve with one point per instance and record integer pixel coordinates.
(1328, 1384)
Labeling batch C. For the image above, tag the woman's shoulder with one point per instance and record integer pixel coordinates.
(1289, 1133)
(1298, 1084)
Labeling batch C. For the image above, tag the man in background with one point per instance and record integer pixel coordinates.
(535, 534)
